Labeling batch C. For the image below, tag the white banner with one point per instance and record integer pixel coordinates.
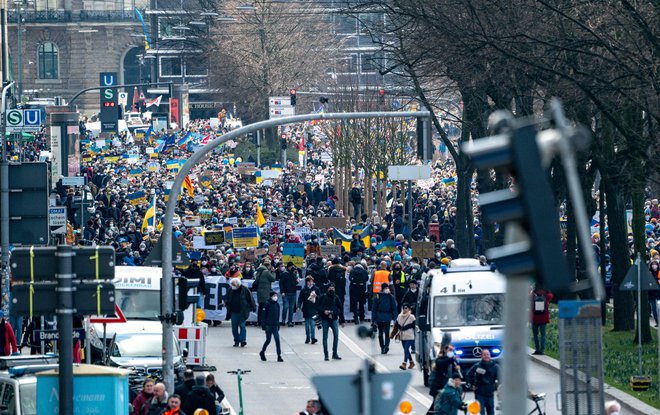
(217, 288)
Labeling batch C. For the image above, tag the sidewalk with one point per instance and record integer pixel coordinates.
(629, 404)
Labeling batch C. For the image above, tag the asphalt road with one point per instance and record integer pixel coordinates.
(283, 388)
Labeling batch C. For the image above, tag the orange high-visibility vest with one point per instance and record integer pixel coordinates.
(381, 276)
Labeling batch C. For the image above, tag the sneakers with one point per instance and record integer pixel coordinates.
(411, 365)
(307, 340)
(403, 366)
(314, 341)
(279, 359)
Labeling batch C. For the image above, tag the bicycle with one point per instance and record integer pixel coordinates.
(536, 398)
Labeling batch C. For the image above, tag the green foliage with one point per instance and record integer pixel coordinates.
(620, 360)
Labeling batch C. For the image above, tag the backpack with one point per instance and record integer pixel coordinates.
(539, 304)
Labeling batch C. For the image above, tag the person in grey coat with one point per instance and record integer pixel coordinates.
(263, 281)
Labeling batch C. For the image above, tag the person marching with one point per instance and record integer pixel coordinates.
(332, 314)
(405, 327)
(383, 313)
(307, 303)
(271, 323)
(358, 278)
(483, 377)
(263, 282)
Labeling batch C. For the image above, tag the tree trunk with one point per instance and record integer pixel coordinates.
(464, 224)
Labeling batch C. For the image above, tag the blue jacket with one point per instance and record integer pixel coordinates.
(449, 401)
(384, 309)
(272, 313)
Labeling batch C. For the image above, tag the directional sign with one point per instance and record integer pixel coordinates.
(57, 219)
(117, 318)
(279, 102)
(73, 181)
(23, 120)
(282, 111)
(419, 172)
(54, 335)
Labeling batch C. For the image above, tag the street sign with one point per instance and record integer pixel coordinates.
(342, 393)
(73, 181)
(40, 264)
(122, 98)
(40, 298)
(28, 204)
(118, 317)
(418, 172)
(282, 111)
(279, 102)
(28, 120)
(647, 282)
(53, 335)
(109, 101)
(57, 219)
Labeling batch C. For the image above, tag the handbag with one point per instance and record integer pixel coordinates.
(394, 334)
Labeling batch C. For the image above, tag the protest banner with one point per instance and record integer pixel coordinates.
(274, 228)
(328, 223)
(293, 253)
(245, 237)
(331, 250)
(423, 249)
(212, 238)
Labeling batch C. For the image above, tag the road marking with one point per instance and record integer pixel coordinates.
(382, 368)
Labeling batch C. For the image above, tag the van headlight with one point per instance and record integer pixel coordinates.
(94, 338)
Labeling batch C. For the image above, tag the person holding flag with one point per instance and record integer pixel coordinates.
(188, 185)
(150, 216)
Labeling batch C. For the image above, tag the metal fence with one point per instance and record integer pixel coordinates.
(581, 360)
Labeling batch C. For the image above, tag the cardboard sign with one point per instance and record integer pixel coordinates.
(423, 249)
(272, 249)
(261, 251)
(327, 223)
(274, 228)
(214, 238)
(191, 221)
(331, 250)
(249, 255)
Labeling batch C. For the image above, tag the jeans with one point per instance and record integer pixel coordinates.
(272, 331)
(540, 346)
(407, 345)
(356, 301)
(310, 328)
(487, 404)
(260, 314)
(16, 323)
(238, 328)
(384, 334)
(334, 325)
(288, 307)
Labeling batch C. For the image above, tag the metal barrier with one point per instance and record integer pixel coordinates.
(581, 360)
(193, 338)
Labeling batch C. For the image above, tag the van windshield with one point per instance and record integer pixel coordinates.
(468, 310)
(139, 304)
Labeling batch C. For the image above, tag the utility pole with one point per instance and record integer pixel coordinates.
(4, 199)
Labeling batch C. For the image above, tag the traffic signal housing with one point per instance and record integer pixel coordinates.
(530, 204)
(293, 97)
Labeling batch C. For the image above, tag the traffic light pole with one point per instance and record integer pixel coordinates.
(65, 312)
(167, 288)
(4, 199)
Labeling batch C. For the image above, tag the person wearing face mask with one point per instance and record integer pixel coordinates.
(271, 324)
(307, 303)
(332, 314)
(444, 368)
(263, 282)
(399, 284)
(239, 305)
(411, 296)
(194, 273)
(383, 313)
(358, 278)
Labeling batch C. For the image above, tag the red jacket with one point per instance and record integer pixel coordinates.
(541, 318)
(10, 339)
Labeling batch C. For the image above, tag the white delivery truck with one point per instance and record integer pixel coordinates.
(463, 301)
(137, 295)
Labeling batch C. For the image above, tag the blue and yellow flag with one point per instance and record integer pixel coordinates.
(149, 216)
(261, 221)
(365, 235)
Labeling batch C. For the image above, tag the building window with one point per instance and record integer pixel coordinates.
(197, 67)
(348, 64)
(368, 62)
(48, 61)
(345, 25)
(170, 66)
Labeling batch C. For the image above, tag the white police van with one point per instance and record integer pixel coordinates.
(464, 301)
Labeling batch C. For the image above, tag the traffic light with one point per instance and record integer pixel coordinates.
(283, 142)
(293, 97)
(425, 148)
(531, 204)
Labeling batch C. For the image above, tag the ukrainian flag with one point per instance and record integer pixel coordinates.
(261, 221)
(365, 235)
(150, 216)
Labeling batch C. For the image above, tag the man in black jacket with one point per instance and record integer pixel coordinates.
(183, 388)
(483, 377)
(307, 299)
(288, 288)
(320, 274)
(199, 398)
(332, 314)
(337, 276)
(239, 304)
(271, 326)
(358, 278)
(194, 273)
